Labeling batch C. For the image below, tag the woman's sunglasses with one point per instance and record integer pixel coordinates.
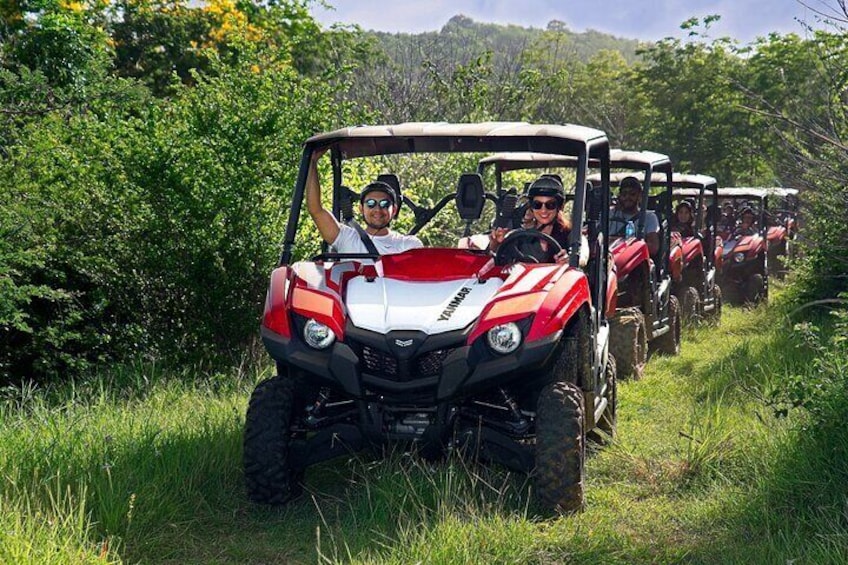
(372, 203)
(548, 205)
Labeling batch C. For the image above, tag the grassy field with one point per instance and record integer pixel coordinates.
(141, 467)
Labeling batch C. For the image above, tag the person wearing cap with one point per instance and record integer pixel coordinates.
(727, 222)
(377, 204)
(627, 209)
(746, 223)
(684, 219)
(546, 200)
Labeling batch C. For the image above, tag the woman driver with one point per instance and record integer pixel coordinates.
(684, 219)
(547, 198)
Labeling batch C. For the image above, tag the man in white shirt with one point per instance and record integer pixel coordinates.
(377, 203)
(627, 209)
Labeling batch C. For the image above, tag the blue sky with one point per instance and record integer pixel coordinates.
(638, 19)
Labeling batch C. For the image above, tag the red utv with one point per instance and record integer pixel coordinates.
(645, 309)
(648, 310)
(699, 294)
(783, 228)
(438, 348)
(745, 267)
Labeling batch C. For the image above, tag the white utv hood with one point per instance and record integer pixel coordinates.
(386, 305)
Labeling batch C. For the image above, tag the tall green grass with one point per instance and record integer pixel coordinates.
(137, 466)
(131, 458)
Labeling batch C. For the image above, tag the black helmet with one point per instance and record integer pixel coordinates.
(746, 210)
(379, 186)
(546, 186)
(688, 203)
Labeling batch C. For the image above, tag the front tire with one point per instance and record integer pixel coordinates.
(606, 426)
(629, 342)
(268, 473)
(560, 448)
(755, 289)
(669, 342)
(689, 304)
(714, 316)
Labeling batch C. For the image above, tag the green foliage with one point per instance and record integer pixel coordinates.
(133, 226)
(217, 176)
(821, 390)
(67, 45)
(155, 41)
(694, 110)
(799, 90)
(470, 71)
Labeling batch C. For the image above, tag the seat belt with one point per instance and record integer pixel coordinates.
(347, 215)
(366, 239)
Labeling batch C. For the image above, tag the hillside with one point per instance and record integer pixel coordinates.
(471, 71)
(462, 38)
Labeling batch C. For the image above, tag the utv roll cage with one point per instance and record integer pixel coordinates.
(758, 196)
(651, 169)
(702, 188)
(582, 143)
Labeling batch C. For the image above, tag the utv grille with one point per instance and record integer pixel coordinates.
(430, 364)
(382, 364)
(379, 362)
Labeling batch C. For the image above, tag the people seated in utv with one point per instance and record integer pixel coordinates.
(727, 222)
(747, 224)
(684, 219)
(546, 198)
(627, 209)
(378, 204)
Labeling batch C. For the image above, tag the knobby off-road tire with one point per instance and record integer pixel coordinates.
(629, 342)
(690, 305)
(268, 473)
(560, 448)
(606, 427)
(714, 316)
(731, 293)
(669, 342)
(755, 289)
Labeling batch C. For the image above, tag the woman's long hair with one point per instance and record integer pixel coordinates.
(560, 227)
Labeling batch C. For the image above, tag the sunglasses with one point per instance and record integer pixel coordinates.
(548, 205)
(372, 203)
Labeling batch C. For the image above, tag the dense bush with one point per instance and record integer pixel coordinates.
(150, 227)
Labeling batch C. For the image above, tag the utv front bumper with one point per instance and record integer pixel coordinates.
(436, 369)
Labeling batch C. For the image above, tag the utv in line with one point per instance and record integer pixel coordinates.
(439, 348)
(699, 294)
(744, 273)
(646, 311)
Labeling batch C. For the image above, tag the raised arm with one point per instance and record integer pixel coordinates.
(327, 225)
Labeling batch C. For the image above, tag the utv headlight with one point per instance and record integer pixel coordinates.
(317, 335)
(504, 338)
(738, 257)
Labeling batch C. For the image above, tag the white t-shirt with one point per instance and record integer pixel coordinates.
(348, 241)
(618, 221)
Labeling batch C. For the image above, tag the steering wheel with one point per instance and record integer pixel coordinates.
(524, 246)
